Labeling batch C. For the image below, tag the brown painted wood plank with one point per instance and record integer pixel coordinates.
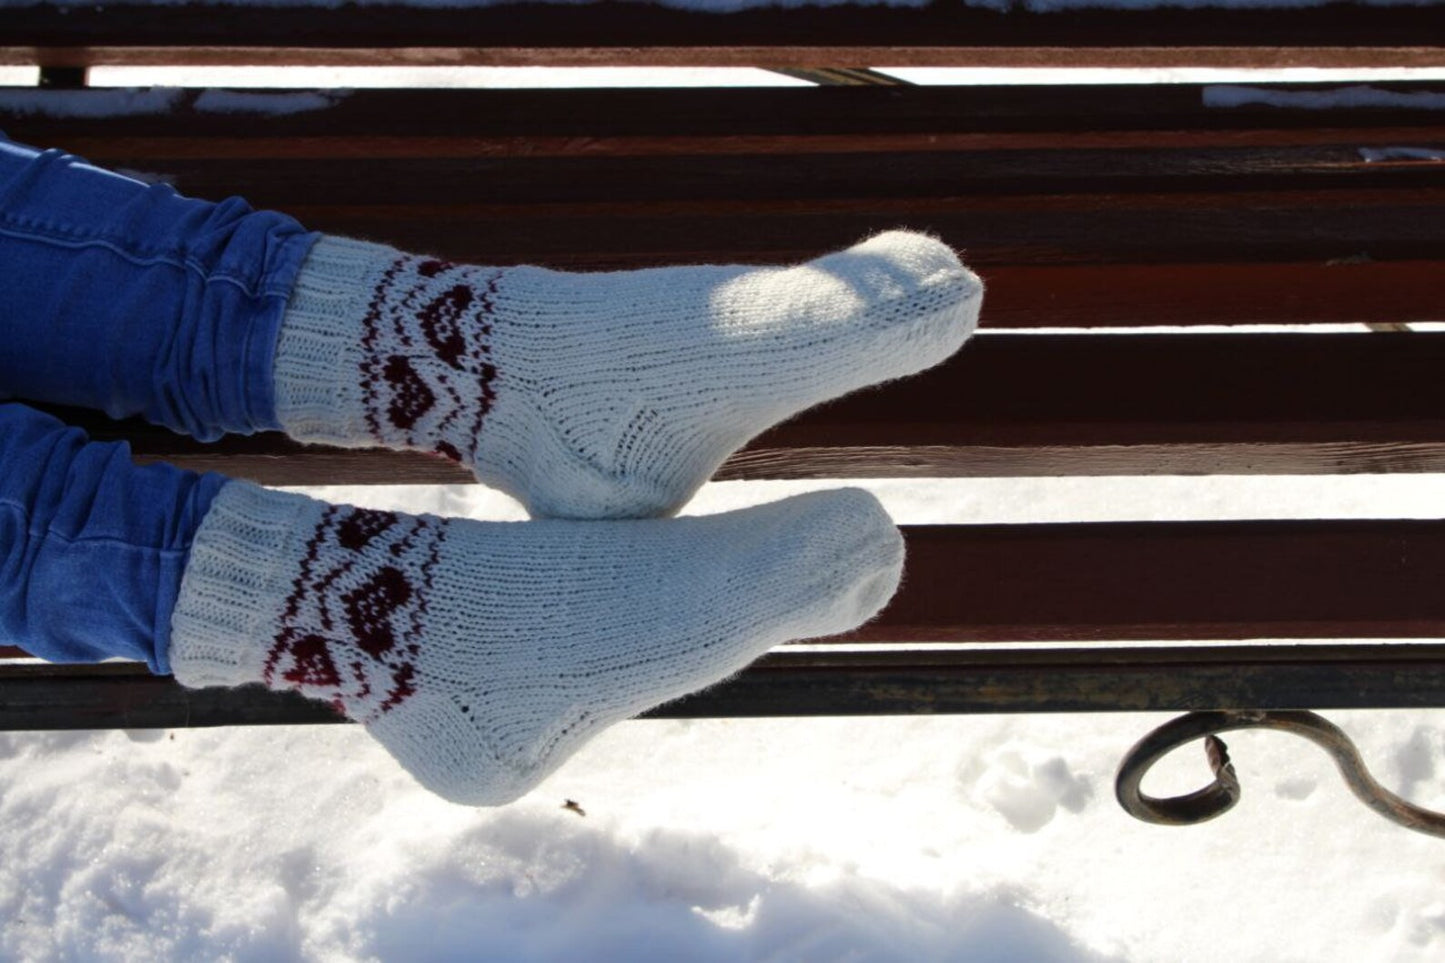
(1239, 200)
(1031, 282)
(787, 684)
(1018, 405)
(1015, 208)
(273, 460)
(1119, 228)
(1168, 580)
(161, 151)
(698, 180)
(1116, 581)
(410, 123)
(1134, 295)
(639, 33)
(805, 212)
(1314, 226)
(1342, 292)
(766, 57)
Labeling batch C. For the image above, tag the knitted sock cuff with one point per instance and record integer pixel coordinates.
(242, 561)
(319, 350)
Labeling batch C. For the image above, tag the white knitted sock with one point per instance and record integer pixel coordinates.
(602, 395)
(482, 655)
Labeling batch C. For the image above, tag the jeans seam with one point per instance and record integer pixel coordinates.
(109, 540)
(45, 233)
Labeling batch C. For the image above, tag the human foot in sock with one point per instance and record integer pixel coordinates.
(482, 655)
(602, 395)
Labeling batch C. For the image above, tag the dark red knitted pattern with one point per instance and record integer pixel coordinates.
(427, 371)
(351, 627)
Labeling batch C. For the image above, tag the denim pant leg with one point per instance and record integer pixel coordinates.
(134, 300)
(92, 547)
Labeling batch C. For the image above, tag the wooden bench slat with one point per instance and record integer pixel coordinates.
(798, 56)
(162, 152)
(612, 33)
(1227, 201)
(1169, 580)
(1080, 138)
(40, 697)
(420, 122)
(1026, 405)
(1357, 291)
(1089, 229)
(516, 183)
(1160, 581)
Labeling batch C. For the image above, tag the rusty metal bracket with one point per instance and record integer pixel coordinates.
(1220, 796)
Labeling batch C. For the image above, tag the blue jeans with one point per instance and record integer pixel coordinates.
(133, 300)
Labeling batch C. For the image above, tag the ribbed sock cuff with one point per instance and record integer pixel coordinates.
(319, 350)
(243, 557)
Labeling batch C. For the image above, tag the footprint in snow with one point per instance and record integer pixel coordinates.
(1029, 794)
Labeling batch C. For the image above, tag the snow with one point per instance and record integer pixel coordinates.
(983, 838)
(20, 76)
(1357, 95)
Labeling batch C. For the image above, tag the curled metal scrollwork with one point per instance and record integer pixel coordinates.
(1220, 796)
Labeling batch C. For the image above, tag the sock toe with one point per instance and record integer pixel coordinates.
(809, 566)
(921, 255)
(836, 560)
(916, 288)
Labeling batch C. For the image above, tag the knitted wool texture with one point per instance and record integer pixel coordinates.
(482, 655)
(601, 395)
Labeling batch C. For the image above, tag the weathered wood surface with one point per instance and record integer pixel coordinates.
(639, 121)
(1086, 206)
(973, 181)
(39, 697)
(1158, 581)
(1021, 405)
(944, 33)
(1148, 581)
(1060, 230)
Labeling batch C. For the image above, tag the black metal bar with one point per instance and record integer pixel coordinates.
(800, 684)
